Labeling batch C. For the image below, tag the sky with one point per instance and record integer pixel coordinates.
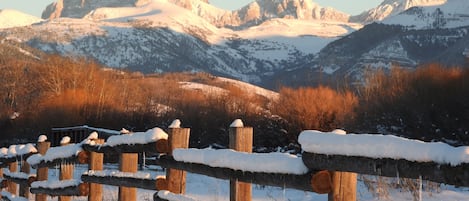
(35, 7)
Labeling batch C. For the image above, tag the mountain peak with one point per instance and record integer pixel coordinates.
(252, 14)
(298, 9)
(450, 14)
(21, 19)
(79, 8)
(390, 8)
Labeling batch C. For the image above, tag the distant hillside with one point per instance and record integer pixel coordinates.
(12, 18)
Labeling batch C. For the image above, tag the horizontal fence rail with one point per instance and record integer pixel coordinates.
(299, 182)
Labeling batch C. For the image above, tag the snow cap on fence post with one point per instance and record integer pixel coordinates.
(124, 131)
(93, 136)
(238, 123)
(65, 140)
(240, 139)
(42, 138)
(339, 132)
(178, 138)
(175, 124)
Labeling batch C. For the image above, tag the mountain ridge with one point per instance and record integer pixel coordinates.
(390, 8)
(253, 13)
(160, 36)
(21, 19)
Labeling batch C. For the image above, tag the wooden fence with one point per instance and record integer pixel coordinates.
(334, 175)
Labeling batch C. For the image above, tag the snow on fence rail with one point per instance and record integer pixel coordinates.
(382, 146)
(386, 155)
(256, 162)
(16, 152)
(329, 152)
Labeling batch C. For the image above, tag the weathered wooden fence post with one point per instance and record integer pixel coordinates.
(96, 163)
(344, 184)
(12, 186)
(1, 178)
(24, 189)
(128, 162)
(176, 179)
(42, 172)
(240, 140)
(344, 187)
(66, 170)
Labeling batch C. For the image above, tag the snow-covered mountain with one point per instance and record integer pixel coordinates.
(267, 41)
(379, 46)
(453, 13)
(262, 10)
(20, 19)
(390, 8)
(436, 32)
(160, 36)
(79, 8)
(254, 13)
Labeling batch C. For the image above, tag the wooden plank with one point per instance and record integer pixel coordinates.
(240, 140)
(6, 160)
(96, 161)
(12, 186)
(66, 173)
(299, 182)
(343, 187)
(79, 190)
(21, 181)
(42, 172)
(148, 184)
(159, 146)
(176, 179)
(24, 188)
(55, 162)
(440, 173)
(128, 162)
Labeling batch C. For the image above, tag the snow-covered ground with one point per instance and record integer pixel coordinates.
(203, 188)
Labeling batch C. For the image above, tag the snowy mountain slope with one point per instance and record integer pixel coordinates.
(390, 8)
(436, 32)
(160, 36)
(451, 14)
(20, 19)
(250, 15)
(381, 46)
(79, 8)
(249, 88)
(203, 88)
(13, 48)
(220, 86)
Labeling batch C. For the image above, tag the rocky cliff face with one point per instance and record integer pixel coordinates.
(252, 14)
(264, 10)
(79, 8)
